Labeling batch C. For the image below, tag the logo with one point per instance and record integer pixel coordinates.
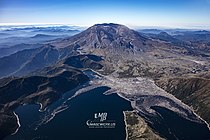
(100, 121)
(102, 116)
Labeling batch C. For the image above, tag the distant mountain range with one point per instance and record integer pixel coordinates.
(43, 27)
(14, 35)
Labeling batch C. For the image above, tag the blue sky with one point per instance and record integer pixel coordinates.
(151, 13)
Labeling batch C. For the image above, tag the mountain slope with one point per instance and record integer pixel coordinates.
(45, 88)
(194, 91)
(125, 51)
(13, 49)
(84, 61)
(104, 36)
(28, 60)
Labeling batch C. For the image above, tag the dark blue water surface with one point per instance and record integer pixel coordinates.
(71, 123)
(174, 127)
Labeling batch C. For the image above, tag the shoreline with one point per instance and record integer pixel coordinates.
(188, 107)
(192, 109)
(18, 122)
(201, 119)
(133, 104)
(126, 125)
(41, 107)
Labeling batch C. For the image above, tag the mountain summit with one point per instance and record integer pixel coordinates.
(124, 51)
(106, 36)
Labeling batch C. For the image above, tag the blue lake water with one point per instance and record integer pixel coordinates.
(71, 123)
(173, 126)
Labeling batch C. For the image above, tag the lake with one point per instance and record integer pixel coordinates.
(72, 123)
(173, 126)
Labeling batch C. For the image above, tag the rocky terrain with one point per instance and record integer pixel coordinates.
(192, 90)
(138, 129)
(156, 73)
(144, 94)
(128, 53)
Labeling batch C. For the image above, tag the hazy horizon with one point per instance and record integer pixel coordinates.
(25, 25)
(183, 14)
